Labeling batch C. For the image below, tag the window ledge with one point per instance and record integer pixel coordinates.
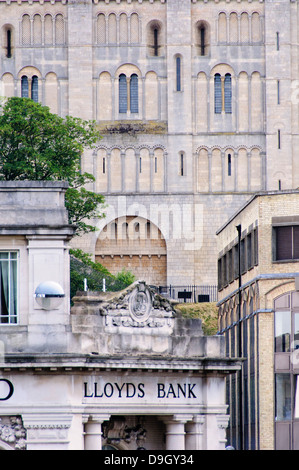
(285, 261)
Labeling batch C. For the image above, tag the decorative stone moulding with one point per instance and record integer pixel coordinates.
(12, 432)
(30, 2)
(126, 1)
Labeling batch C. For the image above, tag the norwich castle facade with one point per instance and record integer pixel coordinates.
(197, 105)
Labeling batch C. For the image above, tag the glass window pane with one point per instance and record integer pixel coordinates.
(282, 331)
(283, 402)
(283, 243)
(8, 287)
(228, 93)
(134, 93)
(296, 331)
(296, 242)
(218, 93)
(34, 88)
(24, 87)
(123, 97)
(178, 74)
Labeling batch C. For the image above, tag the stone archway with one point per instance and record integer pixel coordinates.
(134, 244)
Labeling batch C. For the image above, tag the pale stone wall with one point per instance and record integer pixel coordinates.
(175, 146)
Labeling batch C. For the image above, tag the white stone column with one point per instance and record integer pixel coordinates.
(175, 431)
(194, 434)
(93, 431)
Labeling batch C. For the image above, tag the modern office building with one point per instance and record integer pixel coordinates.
(258, 314)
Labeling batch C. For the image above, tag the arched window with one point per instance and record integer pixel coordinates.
(128, 94)
(218, 93)
(8, 43)
(178, 74)
(229, 164)
(123, 94)
(228, 93)
(134, 93)
(202, 38)
(223, 93)
(24, 87)
(182, 170)
(154, 43)
(34, 88)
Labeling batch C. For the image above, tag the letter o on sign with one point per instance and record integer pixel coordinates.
(8, 390)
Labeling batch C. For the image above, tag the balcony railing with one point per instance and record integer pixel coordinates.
(190, 293)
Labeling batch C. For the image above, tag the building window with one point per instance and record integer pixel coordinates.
(228, 263)
(229, 165)
(223, 93)
(278, 139)
(182, 164)
(29, 87)
(8, 43)
(156, 42)
(154, 33)
(128, 94)
(202, 34)
(178, 74)
(134, 93)
(8, 287)
(283, 397)
(24, 87)
(286, 243)
(218, 93)
(228, 93)
(34, 88)
(123, 94)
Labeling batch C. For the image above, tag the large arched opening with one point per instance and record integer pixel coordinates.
(134, 244)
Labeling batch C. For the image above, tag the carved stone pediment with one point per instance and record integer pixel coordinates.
(137, 306)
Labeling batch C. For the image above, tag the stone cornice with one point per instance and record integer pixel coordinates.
(71, 363)
(31, 2)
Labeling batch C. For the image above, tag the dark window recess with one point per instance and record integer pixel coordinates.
(134, 93)
(202, 40)
(34, 88)
(178, 74)
(229, 164)
(218, 93)
(123, 97)
(228, 264)
(283, 243)
(228, 93)
(156, 43)
(8, 44)
(182, 164)
(24, 87)
(286, 243)
(249, 252)
(296, 242)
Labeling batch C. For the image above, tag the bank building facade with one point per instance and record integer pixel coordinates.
(119, 370)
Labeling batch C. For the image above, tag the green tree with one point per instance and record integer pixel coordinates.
(38, 145)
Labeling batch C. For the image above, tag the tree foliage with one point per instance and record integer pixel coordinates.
(38, 145)
(83, 268)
